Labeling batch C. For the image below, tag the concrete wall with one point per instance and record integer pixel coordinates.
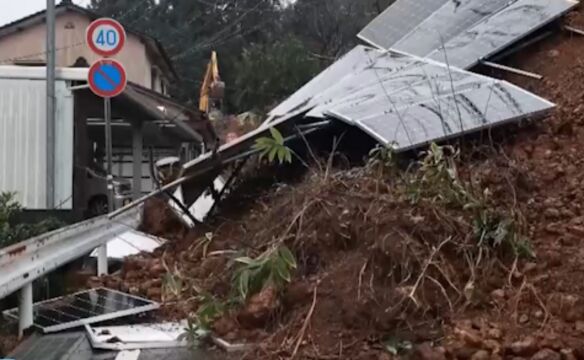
(29, 45)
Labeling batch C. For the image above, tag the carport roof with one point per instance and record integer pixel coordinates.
(153, 105)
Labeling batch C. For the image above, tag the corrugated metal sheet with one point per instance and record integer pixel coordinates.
(23, 142)
(64, 147)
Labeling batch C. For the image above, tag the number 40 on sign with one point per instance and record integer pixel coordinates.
(106, 37)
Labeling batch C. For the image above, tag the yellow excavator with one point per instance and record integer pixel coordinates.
(212, 91)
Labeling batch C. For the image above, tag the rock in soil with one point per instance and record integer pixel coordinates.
(481, 355)
(525, 347)
(546, 354)
(469, 337)
(259, 309)
(224, 326)
(580, 326)
(425, 351)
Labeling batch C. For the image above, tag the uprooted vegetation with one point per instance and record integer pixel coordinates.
(372, 258)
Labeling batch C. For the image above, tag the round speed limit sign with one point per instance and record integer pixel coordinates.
(106, 37)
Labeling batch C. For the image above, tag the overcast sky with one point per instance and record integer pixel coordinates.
(15, 10)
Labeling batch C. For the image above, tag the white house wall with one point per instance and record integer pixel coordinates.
(23, 142)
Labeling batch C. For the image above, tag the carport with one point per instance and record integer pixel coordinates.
(143, 123)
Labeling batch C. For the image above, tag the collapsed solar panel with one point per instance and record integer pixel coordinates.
(347, 64)
(76, 346)
(405, 101)
(140, 337)
(460, 32)
(85, 307)
(56, 347)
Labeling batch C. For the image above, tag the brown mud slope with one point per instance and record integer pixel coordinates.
(7, 343)
(377, 271)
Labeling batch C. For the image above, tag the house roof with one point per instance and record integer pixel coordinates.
(39, 17)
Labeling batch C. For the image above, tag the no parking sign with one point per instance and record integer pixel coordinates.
(107, 78)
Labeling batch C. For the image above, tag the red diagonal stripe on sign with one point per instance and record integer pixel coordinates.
(106, 77)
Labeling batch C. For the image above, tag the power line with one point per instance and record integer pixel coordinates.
(220, 33)
(22, 57)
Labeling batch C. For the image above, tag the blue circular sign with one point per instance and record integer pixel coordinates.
(107, 78)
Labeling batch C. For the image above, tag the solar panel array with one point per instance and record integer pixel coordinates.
(411, 89)
(301, 98)
(405, 101)
(56, 347)
(460, 32)
(85, 308)
(76, 346)
(496, 33)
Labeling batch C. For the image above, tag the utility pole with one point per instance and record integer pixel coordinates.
(51, 63)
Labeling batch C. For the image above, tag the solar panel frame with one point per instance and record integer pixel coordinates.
(414, 119)
(328, 77)
(452, 19)
(407, 79)
(58, 347)
(382, 34)
(470, 47)
(76, 321)
(410, 83)
(406, 14)
(355, 84)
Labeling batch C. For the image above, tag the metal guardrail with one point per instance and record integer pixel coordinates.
(22, 263)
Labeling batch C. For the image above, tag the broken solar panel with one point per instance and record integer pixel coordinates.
(486, 39)
(85, 307)
(330, 76)
(469, 30)
(322, 88)
(404, 101)
(57, 347)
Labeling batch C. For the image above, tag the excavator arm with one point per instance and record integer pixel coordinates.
(213, 88)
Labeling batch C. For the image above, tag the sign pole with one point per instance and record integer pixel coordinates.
(108, 148)
(102, 265)
(107, 79)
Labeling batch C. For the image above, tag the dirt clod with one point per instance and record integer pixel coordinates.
(259, 308)
(425, 351)
(546, 354)
(525, 347)
(481, 355)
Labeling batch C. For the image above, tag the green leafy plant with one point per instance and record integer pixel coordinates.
(272, 268)
(436, 180)
(274, 147)
(11, 233)
(383, 159)
(172, 284)
(210, 310)
(204, 242)
(193, 333)
(495, 230)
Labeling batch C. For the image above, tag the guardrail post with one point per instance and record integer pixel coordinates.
(25, 312)
(102, 260)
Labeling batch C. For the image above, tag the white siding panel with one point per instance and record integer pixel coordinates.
(64, 147)
(23, 142)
